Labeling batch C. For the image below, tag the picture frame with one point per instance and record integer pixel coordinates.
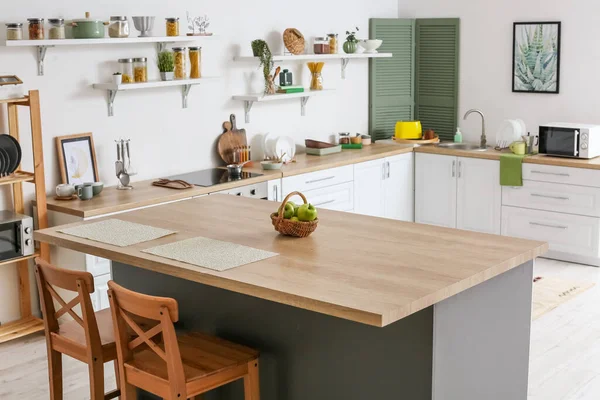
(77, 158)
(536, 57)
(10, 80)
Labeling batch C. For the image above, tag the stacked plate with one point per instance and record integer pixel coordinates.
(10, 155)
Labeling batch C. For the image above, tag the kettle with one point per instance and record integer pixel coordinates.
(408, 130)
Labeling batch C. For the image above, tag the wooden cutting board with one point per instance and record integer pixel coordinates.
(230, 139)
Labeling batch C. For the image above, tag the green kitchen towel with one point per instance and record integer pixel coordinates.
(511, 170)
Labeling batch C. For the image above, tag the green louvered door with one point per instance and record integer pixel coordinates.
(436, 75)
(391, 88)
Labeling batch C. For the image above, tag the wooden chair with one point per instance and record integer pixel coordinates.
(178, 367)
(89, 338)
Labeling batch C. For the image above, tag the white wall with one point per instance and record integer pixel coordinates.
(165, 138)
(486, 58)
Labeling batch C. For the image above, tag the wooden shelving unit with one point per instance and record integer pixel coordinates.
(28, 323)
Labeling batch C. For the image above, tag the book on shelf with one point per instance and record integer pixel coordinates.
(290, 89)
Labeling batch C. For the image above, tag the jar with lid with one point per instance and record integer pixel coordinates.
(57, 28)
(321, 45)
(14, 31)
(172, 26)
(36, 28)
(195, 62)
(285, 78)
(333, 43)
(126, 67)
(118, 27)
(140, 69)
(344, 138)
(179, 54)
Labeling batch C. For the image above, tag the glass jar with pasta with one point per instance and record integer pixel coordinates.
(140, 69)
(195, 62)
(36, 28)
(179, 53)
(172, 26)
(316, 80)
(126, 67)
(333, 43)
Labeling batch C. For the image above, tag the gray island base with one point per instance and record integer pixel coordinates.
(471, 346)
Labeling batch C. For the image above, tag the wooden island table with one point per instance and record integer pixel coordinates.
(364, 308)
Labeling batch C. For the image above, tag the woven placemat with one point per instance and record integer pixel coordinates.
(117, 232)
(210, 253)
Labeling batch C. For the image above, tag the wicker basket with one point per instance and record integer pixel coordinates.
(292, 228)
(293, 41)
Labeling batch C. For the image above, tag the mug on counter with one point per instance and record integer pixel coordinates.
(65, 190)
(85, 191)
(518, 148)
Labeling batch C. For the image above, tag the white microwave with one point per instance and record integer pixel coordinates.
(570, 140)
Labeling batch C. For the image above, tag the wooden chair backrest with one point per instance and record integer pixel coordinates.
(124, 304)
(48, 277)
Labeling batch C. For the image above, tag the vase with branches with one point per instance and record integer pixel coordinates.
(351, 41)
(260, 49)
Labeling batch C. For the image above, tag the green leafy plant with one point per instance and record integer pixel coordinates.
(536, 59)
(260, 49)
(165, 62)
(351, 36)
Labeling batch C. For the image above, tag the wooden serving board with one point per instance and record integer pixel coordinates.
(231, 138)
(416, 141)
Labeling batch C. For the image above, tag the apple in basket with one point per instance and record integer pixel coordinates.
(294, 212)
(291, 219)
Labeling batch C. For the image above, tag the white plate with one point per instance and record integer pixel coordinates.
(285, 144)
(510, 131)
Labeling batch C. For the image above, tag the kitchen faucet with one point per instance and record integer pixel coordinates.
(483, 142)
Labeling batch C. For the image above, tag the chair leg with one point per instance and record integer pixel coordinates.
(128, 392)
(117, 377)
(251, 385)
(55, 374)
(96, 371)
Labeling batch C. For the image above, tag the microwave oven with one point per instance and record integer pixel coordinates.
(16, 235)
(570, 140)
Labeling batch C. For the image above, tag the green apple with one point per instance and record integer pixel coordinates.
(307, 212)
(294, 219)
(295, 207)
(288, 211)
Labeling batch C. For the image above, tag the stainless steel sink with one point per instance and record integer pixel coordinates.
(462, 146)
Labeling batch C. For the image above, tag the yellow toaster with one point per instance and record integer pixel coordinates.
(409, 130)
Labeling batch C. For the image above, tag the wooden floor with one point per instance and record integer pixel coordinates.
(565, 351)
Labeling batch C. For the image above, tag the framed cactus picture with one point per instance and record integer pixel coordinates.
(536, 57)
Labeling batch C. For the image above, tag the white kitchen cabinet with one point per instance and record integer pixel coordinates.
(368, 187)
(100, 296)
(274, 190)
(330, 189)
(458, 192)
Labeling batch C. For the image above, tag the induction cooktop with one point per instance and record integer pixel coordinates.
(211, 177)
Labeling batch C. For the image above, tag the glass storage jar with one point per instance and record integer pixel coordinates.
(333, 43)
(57, 28)
(126, 67)
(118, 27)
(195, 62)
(36, 28)
(321, 45)
(179, 54)
(140, 69)
(172, 26)
(14, 31)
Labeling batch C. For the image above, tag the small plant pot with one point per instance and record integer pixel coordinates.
(117, 79)
(350, 47)
(166, 76)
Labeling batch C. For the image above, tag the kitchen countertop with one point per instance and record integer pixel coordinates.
(333, 271)
(144, 194)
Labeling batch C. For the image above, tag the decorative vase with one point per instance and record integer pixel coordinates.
(117, 79)
(271, 87)
(349, 47)
(166, 76)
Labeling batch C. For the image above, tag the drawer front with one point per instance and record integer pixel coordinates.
(570, 176)
(338, 197)
(565, 233)
(580, 200)
(97, 265)
(318, 179)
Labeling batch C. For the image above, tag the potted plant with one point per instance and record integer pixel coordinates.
(351, 42)
(166, 65)
(260, 49)
(117, 78)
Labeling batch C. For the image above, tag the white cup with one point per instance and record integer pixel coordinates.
(65, 190)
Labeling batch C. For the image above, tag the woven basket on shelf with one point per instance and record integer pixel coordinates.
(293, 41)
(292, 228)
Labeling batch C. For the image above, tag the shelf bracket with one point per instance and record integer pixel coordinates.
(185, 91)
(41, 54)
(247, 107)
(111, 100)
(303, 101)
(345, 62)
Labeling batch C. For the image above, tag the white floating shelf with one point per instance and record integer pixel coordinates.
(42, 45)
(250, 99)
(319, 57)
(186, 85)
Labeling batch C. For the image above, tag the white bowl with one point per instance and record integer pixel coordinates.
(370, 45)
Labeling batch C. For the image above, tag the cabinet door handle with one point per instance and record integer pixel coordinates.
(388, 169)
(550, 173)
(459, 169)
(320, 180)
(275, 193)
(548, 225)
(453, 168)
(323, 203)
(383, 171)
(549, 197)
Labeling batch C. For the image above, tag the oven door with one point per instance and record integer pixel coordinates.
(559, 141)
(10, 240)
